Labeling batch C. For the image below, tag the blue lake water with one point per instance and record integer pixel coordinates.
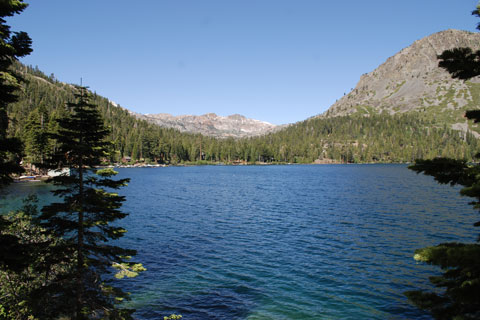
(285, 242)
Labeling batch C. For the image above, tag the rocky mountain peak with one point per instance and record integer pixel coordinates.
(237, 117)
(210, 115)
(210, 124)
(412, 80)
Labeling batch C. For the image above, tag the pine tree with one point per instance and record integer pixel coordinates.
(12, 46)
(21, 291)
(84, 219)
(37, 142)
(459, 296)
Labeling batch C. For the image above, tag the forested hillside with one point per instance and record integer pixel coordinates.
(354, 138)
(43, 100)
(372, 138)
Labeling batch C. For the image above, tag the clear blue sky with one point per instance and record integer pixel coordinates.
(279, 61)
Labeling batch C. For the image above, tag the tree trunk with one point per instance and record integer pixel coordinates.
(80, 260)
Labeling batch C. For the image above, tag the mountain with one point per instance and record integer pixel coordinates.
(406, 109)
(210, 124)
(412, 81)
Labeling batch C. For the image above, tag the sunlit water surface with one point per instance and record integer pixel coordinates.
(285, 242)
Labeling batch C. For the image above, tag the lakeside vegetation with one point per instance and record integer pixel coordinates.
(456, 295)
(358, 138)
(58, 262)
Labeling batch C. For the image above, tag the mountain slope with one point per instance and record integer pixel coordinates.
(210, 124)
(412, 81)
(412, 107)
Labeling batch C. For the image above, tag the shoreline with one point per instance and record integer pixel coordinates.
(42, 178)
(240, 165)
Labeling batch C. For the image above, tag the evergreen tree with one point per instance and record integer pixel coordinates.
(12, 46)
(36, 137)
(460, 262)
(84, 219)
(21, 291)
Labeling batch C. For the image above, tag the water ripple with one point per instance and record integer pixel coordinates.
(285, 242)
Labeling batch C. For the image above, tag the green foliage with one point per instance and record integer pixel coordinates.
(85, 219)
(22, 294)
(459, 283)
(365, 137)
(373, 138)
(129, 270)
(37, 142)
(364, 110)
(450, 255)
(12, 46)
(460, 262)
(462, 63)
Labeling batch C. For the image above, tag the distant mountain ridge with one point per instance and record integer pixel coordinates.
(210, 124)
(412, 81)
(368, 133)
(408, 81)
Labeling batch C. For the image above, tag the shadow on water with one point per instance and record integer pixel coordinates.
(221, 302)
(11, 197)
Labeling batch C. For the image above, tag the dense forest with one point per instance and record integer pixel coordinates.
(349, 139)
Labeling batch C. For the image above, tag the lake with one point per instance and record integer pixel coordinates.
(285, 242)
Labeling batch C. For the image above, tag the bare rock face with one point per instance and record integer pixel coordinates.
(412, 81)
(210, 124)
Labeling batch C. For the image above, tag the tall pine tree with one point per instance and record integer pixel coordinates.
(84, 219)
